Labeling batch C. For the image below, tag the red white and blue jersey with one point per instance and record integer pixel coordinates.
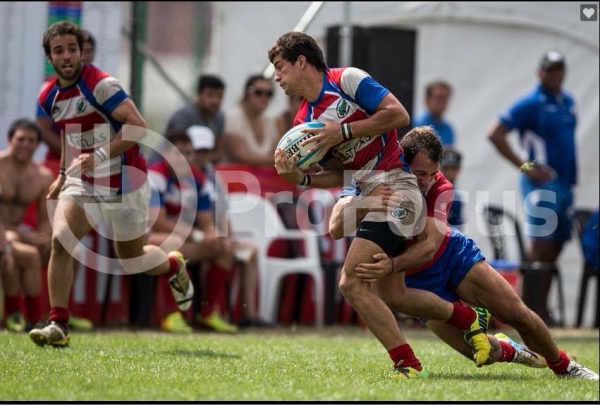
(438, 198)
(82, 112)
(350, 94)
(178, 198)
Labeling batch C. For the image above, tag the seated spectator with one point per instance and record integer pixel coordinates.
(251, 136)
(22, 249)
(450, 168)
(245, 254)
(179, 224)
(204, 111)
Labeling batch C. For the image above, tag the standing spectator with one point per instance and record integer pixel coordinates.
(204, 111)
(545, 119)
(88, 54)
(250, 135)
(437, 95)
(450, 168)
(23, 182)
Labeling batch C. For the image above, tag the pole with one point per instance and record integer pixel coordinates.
(138, 34)
(346, 38)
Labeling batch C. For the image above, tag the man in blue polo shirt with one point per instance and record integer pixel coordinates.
(545, 119)
(437, 96)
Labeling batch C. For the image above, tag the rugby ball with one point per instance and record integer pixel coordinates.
(290, 143)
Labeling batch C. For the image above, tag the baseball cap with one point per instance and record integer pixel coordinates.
(202, 137)
(552, 58)
(451, 158)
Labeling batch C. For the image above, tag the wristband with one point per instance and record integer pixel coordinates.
(101, 154)
(527, 166)
(197, 236)
(346, 131)
(306, 180)
(62, 172)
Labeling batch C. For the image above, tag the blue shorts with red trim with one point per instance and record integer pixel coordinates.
(444, 274)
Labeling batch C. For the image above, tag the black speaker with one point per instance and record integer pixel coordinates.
(387, 54)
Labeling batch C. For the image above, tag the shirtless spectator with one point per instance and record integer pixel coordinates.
(22, 249)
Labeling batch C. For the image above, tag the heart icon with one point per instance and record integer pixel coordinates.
(589, 12)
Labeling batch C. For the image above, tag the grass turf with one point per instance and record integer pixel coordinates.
(334, 364)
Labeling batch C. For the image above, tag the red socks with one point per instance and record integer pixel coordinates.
(173, 267)
(12, 304)
(508, 352)
(60, 315)
(216, 290)
(404, 356)
(462, 317)
(33, 309)
(561, 365)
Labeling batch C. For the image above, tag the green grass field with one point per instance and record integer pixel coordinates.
(333, 364)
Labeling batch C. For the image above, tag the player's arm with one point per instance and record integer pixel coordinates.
(58, 183)
(49, 135)
(43, 220)
(418, 254)
(390, 114)
(497, 136)
(132, 131)
(287, 169)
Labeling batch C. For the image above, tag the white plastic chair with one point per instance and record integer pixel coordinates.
(255, 219)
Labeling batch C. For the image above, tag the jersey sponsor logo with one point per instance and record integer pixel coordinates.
(399, 213)
(80, 106)
(100, 135)
(342, 108)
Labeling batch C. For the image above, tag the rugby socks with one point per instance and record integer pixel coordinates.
(12, 304)
(216, 281)
(173, 267)
(33, 309)
(404, 356)
(60, 315)
(559, 366)
(462, 317)
(508, 352)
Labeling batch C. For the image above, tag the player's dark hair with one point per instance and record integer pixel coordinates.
(293, 44)
(437, 83)
(24, 124)
(178, 137)
(89, 38)
(422, 139)
(210, 82)
(62, 28)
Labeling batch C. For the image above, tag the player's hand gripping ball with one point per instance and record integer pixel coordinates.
(291, 144)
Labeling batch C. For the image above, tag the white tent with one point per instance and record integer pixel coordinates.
(488, 51)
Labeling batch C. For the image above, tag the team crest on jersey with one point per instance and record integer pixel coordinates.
(399, 213)
(81, 105)
(342, 108)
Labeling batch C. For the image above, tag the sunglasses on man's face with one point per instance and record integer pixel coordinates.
(261, 92)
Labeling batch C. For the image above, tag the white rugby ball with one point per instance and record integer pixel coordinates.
(290, 143)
